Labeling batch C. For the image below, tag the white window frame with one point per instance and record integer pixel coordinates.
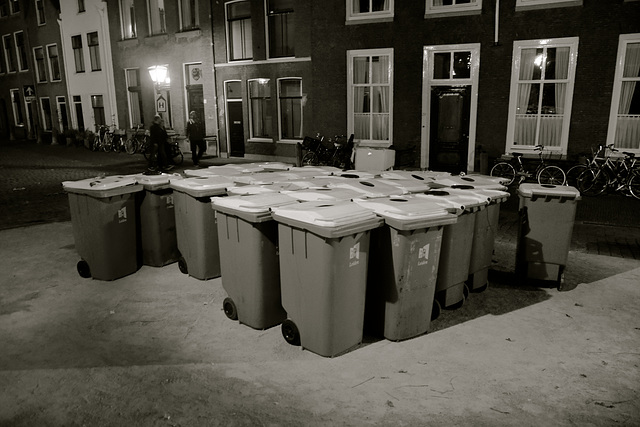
(194, 14)
(81, 59)
(226, 17)
(21, 66)
(545, 4)
(162, 19)
(123, 21)
(436, 11)
(51, 74)
(81, 6)
(280, 137)
(7, 46)
(623, 41)
(369, 17)
(42, 21)
(572, 44)
(226, 106)
(268, 39)
(15, 106)
(61, 104)
(94, 48)
(14, 6)
(39, 78)
(268, 107)
(351, 55)
(130, 101)
(43, 114)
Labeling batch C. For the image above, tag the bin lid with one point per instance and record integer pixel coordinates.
(252, 208)
(427, 176)
(369, 187)
(542, 190)
(156, 182)
(103, 186)
(456, 202)
(488, 194)
(409, 213)
(312, 171)
(355, 174)
(407, 185)
(274, 166)
(328, 219)
(202, 186)
(477, 181)
(324, 194)
(262, 178)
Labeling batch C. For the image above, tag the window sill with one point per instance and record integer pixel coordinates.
(128, 42)
(156, 39)
(260, 140)
(188, 34)
(289, 141)
(369, 20)
(451, 13)
(521, 7)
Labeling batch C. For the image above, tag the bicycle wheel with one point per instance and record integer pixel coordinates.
(130, 146)
(504, 170)
(551, 175)
(634, 184)
(107, 142)
(96, 143)
(573, 173)
(592, 182)
(310, 159)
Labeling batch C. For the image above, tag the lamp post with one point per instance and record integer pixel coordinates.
(160, 77)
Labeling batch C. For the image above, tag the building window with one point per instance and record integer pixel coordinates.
(541, 95)
(157, 24)
(280, 23)
(94, 51)
(367, 10)
(4, 8)
(188, 14)
(18, 116)
(61, 102)
(135, 100)
(54, 62)
(41, 74)
(77, 104)
(259, 109)
(370, 100)
(239, 40)
(78, 54)
(3, 63)
(9, 53)
(452, 7)
(624, 121)
(98, 110)
(545, 4)
(40, 12)
(21, 51)
(290, 108)
(81, 7)
(45, 109)
(128, 19)
(15, 6)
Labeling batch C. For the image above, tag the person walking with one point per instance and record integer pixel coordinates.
(158, 138)
(195, 135)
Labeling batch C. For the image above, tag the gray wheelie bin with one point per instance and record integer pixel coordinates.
(547, 214)
(196, 229)
(104, 220)
(248, 238)
(324, 251)
(403, 265)
(157, 220)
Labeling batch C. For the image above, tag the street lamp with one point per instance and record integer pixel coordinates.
(160, 75)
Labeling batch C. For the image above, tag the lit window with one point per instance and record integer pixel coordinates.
(370, 99)
(290, 108)
(38, 54)
(367, 10)
(239, 30)
(94, 51)
(188, 14)
(128, 19)
(281, 28)
(98, 110)
(78, 54)
(157, 24)
(261, 117)
(452, 7)
(54, 62)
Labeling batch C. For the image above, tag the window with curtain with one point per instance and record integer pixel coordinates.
(97, 104)
(40, 12)
(369, 9)
(240, 45)
(135, 100)
(94, 51)
(9, 53)
(188, 14)
(45, 108)
(370, 85)
(453, 6)
(157, 24)
(78, 54)
(624, 125)
(54, 62)
(41, 73)
(128, 19)
(259, 108)
(281, 27)
(290, 108)
(21, 50)
(541, 93)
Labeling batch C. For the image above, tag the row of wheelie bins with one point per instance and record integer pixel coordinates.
(325, 256)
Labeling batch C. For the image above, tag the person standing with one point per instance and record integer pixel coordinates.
(158, 138)
(195, 135)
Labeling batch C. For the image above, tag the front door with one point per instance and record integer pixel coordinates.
(236, 129)
(195, 101)
(449, 138)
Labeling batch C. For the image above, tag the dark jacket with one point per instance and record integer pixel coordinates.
(195, 130)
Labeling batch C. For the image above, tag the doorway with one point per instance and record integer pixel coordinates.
(235, 120)
(449, 136)
(195, 102)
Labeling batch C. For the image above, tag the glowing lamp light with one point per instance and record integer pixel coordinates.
(159, 75)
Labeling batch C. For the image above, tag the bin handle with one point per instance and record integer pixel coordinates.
(563, 195)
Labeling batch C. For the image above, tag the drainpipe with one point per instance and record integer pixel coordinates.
(215, 89)
(111, 88)
(497, 23)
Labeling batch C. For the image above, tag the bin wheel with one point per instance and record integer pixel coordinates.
(290, 332)
(481, 288)
(435, 310)
(230, 309)
(83, 269)
(182, 265)
(465, 292)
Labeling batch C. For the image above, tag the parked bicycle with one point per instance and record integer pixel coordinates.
(103, 138)
(574, 171)
(620, 175)
(337, 152)
(138, 142)
(515, 170)
(118, 141)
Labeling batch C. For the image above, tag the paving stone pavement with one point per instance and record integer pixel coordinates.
(31, 193)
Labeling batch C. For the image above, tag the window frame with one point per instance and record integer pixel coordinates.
(21, 52)
(162, 21)
(351, 55)
(40, 63)
(623, 41)
(51, 63)
(368, 17)
(81, 6)
(47, 127)
(78, 54)
(4, 9)
(194, 15)
(522, 5)
(95, 109)
(280, 112)
(267, 107)
(40, 13)
(518, 46)
(434, 11)
(130, 101)
(16, 104)
(9, 53)
(270, 49)
(14, 6)
(61, 109)
(245, 48)
(77, 107)
(94, 51)
(123, 21)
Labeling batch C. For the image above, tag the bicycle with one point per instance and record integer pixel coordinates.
(138, 142)
(174, 152)
(610, 175)
(336, 152)
(118, 144)
(543, 173)
(103, 138)
(574, 171)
